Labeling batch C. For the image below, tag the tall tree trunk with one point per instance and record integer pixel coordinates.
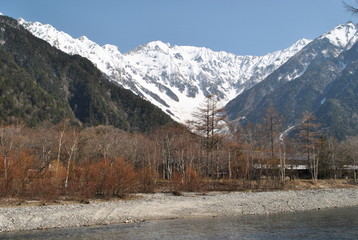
(70, 157)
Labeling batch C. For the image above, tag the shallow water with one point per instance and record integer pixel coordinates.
(339, 223)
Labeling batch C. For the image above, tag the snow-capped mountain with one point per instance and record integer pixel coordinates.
(343, 36)
(321, 79)
(181, 76)
(105, 57)
(175, 78)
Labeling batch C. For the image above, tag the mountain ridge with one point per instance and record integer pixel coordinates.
(175, 78)
(307, 82)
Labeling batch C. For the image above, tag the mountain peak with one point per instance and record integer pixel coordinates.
(83, 39)
(297, 46)
(302, 42)
(158, 45)
(111, 48)
(342, 35)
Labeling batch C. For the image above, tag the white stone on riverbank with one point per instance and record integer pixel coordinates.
(161, 206)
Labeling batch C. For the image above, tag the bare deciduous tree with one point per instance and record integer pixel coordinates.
(271, 131)
(71, 151)
(309, 136)
(8, 137)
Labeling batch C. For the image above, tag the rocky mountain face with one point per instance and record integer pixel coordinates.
(40, 84)
(175, 78)
(320, 79)
(338, 109)
(317, 76)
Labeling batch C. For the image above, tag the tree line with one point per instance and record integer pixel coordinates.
(104, 161)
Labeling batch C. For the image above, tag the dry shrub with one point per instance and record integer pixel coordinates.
(191, 181)
(44, 189)
(268, 184)
(57, 174)
(147, 178)
(233, 185)
(73, 188)
(108, 179)
(124, 178)
(177, 181)
(93, 177)
(17, 167)
(87, 176)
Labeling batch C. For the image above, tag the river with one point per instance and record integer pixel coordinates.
(339, 223)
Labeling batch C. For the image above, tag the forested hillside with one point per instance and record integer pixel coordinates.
(40, 84)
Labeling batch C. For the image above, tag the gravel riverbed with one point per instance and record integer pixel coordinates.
(166, 205)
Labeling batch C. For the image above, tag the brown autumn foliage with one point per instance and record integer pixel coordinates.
(107, 179)
(17, 167)
(147, 178)
(66, 161)
(189, 181)
(192, 180)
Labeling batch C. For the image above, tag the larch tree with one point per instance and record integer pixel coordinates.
(271, 131)
(309, 136)
(166, 141)
(247, 139)
(209, 122)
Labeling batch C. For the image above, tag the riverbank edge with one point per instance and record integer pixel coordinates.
(165, 206)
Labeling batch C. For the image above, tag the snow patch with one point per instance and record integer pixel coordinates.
(323, 100)
(284, 133)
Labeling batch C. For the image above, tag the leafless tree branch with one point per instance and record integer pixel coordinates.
(350, 8)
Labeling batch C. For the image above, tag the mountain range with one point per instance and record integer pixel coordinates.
(174, 78)
(318, 75)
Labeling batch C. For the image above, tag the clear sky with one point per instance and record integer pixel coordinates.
(243, 27)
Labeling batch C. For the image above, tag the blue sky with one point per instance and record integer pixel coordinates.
(243, 27)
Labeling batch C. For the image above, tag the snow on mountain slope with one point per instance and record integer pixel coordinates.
(175, 78)
(185, 75)
(105, 58)
(301, 82)
(344, 35)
